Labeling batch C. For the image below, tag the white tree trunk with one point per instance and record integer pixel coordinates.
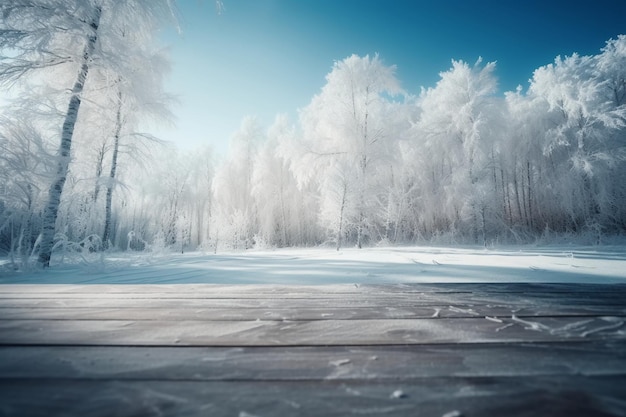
(341, 215)
(106, 236)
(56, 189)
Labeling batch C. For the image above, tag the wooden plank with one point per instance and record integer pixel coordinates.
(182, 312)
(503, 287)
(307, 333)
(244, 291)
(210, 303)
(286, 291)
(96, 302)
(331, 350)
(177, 294)
(394, 363)
(436, 300)
(512, 397)
(597, 298)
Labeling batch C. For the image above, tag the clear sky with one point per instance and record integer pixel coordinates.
(264, 57)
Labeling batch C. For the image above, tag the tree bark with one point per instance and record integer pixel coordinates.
(106, 236)
(56, 189)
(507, 198)
(341, 212)
(99, 165)
(530, 197)
(283, 213)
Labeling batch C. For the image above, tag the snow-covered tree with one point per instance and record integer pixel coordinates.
(520, 161)
(25, 165)
(201, 204)
(455, 125)
(274, 188)
(347, 140)
(585, 140)
(72, 37)
(235, 208)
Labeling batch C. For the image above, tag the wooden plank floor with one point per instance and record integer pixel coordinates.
(263, 350)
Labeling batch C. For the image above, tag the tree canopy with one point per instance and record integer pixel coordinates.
(365, 163)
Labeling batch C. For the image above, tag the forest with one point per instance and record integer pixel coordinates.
(366, 162)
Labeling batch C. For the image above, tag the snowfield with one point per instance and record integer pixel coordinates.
(313, 266)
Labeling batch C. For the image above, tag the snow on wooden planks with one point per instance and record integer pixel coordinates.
(439, 349)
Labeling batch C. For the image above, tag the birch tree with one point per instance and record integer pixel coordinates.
(24, 169)
(584, 97)
(274, 188)
(236, 210)
(74, 36)
(455, 122)
(346, 135)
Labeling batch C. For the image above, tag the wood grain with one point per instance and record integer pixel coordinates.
(333, 350)
(395, 363)
(510, 396)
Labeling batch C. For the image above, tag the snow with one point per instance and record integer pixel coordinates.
(398, 394)
(454, 413)
(390, 265)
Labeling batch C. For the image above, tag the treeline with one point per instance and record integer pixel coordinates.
(366, 163)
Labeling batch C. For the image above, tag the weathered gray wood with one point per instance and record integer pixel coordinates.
(512, 302)
(191, 295)
(234, 303)
(479, 349)
(493, 396)
(304, 313)
(307, 333)
(394, 363)
(242, 291)
(287, 291)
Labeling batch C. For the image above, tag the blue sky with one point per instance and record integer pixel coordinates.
(264, 57)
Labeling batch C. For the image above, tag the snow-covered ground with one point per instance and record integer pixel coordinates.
(557, 264)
